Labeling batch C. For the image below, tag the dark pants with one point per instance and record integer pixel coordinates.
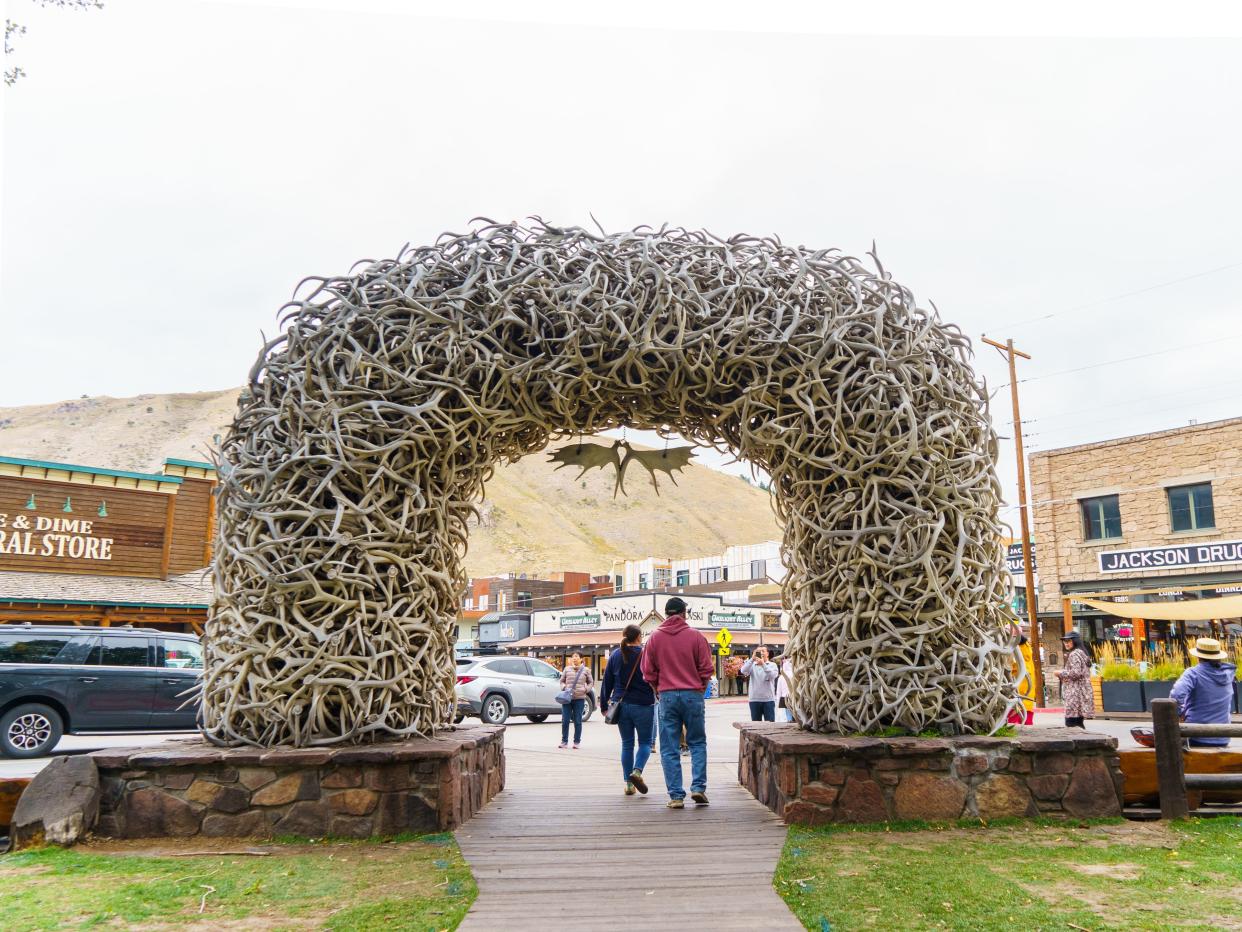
(572, 711)
(1074, 722)
(763, 711)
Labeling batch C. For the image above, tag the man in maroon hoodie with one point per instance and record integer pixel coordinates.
(678, 665)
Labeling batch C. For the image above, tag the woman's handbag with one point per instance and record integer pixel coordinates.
(613, 714)
(566, 695)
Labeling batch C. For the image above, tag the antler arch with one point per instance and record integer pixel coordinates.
(370, 427)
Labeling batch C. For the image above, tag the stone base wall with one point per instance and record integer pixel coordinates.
(184, 788)
(812, 779)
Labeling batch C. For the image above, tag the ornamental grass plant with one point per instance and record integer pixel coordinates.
(1114, 663)
(1166, 662)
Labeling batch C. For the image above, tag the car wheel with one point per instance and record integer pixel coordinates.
(29, 731)
(495, 709)
(590, 707)
(458, 719)
(538, 719)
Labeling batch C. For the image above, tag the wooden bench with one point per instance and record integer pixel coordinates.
(1173, 781)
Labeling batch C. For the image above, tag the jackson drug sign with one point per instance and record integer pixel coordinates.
(1122, 561)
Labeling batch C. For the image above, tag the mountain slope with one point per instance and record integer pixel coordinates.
(536, 519)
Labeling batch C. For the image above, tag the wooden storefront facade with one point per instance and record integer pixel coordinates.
(92, 546)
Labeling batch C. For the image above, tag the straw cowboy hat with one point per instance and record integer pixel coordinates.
(1208, 649)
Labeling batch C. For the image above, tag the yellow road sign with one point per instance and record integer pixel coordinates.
(724, 638)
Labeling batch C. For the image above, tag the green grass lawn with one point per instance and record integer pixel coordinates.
(1028, 876)
(409, 883)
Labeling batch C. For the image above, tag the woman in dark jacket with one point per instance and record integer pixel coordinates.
(624, 683)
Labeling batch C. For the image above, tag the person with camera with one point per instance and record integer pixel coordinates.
(762, 689)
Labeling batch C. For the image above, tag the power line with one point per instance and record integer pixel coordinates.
(1114, 362)
(1122, 296)
(1122, 404)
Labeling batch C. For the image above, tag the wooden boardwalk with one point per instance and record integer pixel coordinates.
(563, 849)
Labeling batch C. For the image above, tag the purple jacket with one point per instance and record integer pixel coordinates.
(1204, 694)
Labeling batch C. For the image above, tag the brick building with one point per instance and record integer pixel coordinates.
(1140, 521)
(488, 597)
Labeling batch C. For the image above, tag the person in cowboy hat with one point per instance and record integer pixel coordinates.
(1076, 682)
(1205, 691)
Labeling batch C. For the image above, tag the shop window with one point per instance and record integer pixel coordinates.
(662, 577)
(683, 577)
(758, 569)
(1190, 507)
(1101, 517)
(642, 580)
(711, 574)
(618, 583)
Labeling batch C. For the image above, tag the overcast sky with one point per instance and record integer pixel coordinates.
(171, 169)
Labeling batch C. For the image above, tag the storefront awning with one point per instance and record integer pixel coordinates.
(1228, 606)
(568, 639)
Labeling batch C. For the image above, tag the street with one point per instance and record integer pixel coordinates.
(598, 739)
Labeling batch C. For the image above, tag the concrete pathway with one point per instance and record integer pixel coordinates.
(563, 848)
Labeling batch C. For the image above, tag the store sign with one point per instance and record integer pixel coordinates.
(63, 538)
(1013, 559)
(771, 621)
(1121, 561)
(730, 618)
(580, 620)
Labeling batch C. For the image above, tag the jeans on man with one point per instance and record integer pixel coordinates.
(572, 711)
(680, 707)
(763, 711)
(635, 722)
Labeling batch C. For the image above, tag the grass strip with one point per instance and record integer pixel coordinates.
(407, 883)
(1019, 875)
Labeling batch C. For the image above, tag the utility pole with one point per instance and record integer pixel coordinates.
(1028, 563)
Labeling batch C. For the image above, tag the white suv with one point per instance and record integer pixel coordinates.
(493, 688)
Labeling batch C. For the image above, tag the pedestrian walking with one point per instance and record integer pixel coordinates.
(783, 680)
(1204, 693)
(763, 674)
(1076, 682)
(629, 703)
(1024, 714)
(576, 682)
(678, 665)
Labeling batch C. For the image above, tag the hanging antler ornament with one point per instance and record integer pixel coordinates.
(594, 456)
(369, 427)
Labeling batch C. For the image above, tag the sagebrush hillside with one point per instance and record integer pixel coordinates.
(535, 519)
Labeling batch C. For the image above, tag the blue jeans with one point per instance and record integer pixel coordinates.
(635, 722)
(683, 707)
(572, 711)
(763, 711)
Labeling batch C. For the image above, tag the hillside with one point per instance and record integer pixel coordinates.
(535, 519)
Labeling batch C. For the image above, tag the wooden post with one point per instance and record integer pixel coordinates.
(211, 522)
(1032, 609)
(1067, 615)
(166, 556)
(1139, 632)
(1170, 775)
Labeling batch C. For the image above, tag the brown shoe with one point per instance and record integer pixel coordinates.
(636, 777)
(700, 798)
(677, 804)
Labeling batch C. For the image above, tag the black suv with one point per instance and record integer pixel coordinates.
(58, 680)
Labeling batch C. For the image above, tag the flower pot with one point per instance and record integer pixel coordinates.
(1122, 695)
(1155, 689)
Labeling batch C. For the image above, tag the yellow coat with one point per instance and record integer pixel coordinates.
(1026, 685)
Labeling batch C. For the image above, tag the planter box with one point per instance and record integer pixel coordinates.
(1156, 689)
(1122, 695)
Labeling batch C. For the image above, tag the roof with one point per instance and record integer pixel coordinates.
(88, 470)
(193, 464)
(1138, 438)
(191, 590)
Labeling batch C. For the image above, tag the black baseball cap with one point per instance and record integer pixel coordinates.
(674, 606)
